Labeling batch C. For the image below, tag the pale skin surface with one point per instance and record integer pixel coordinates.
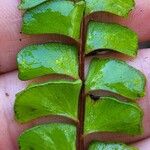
(10, 44)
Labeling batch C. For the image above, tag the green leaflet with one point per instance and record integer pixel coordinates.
(51, 98)
(117, 7)
(115, 76)
(111, 36)
(52, 58)
(111, 115)
(49, 137)
(26, 4)
(51, 17)
(110, 146)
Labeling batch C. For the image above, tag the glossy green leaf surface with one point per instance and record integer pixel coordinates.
(49, 137)
(112, 37)
(58, 97)
(26, 4)
(117, 7)
(111, 115)
(52, 58)
(110, 146)
(51, 17)
(115, 76)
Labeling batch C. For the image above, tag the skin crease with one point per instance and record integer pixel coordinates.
(10, 20)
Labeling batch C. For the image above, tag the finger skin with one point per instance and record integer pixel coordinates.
(10, 85)
(11, 40)
(143, 145)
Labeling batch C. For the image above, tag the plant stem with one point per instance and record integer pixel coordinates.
(81, 108)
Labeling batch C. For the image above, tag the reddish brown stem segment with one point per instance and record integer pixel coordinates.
(81, 108)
